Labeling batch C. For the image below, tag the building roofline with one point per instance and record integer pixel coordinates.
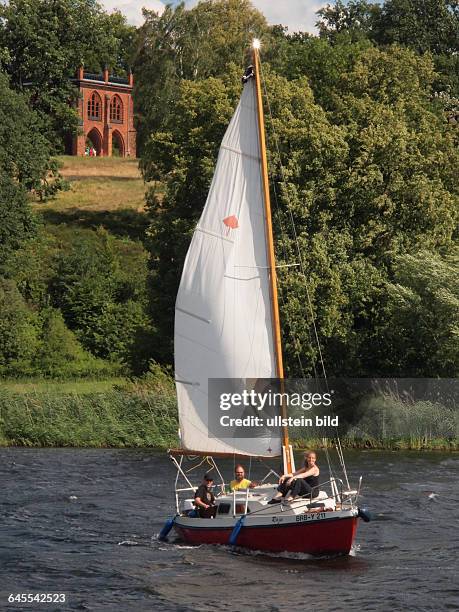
(102, 84)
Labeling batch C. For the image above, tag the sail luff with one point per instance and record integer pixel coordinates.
(223, 317)
(270, 251)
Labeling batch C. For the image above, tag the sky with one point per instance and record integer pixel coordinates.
(296, 14)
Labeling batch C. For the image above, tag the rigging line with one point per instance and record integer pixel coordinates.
(284, 237)
(292, 221)
(295, 339)
(195, 467)
(284, 253)
(343, 465)
(276, 142)
(296, 343)
(285, 256)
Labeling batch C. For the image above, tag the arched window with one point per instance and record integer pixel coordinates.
(116, 109)
(94, 106)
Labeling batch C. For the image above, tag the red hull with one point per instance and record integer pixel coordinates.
(315, 538)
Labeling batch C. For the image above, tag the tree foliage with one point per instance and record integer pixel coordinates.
(423, 25)
(46, 41)
(361, 159)
(102, 299)
(366, 180)
(19, 331)
(421, 311)
(60, 355)
(25, 167)
(356, 18)
(188, 44)
(426, 26)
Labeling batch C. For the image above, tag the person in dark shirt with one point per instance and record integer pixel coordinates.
(204, 498)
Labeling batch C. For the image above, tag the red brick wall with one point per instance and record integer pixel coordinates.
(104, 129)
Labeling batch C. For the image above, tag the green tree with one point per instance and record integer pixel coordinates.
(188, 44)
(323, 63)
(423, 25)
(356, 19)
(19, 332)
(46, 41)
(25, 169)
(84, 285)
(17, 221)
(365, 181)
(427, 26)
(418, 328)
(99, 285)
(60, 355)
(24, 151)
(392, 192)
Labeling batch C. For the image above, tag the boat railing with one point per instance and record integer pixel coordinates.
(336, 494)
(339, 494)
(239, 494)
(271, 472)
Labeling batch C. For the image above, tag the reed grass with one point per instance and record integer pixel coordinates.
(143, 413)
(115, 418)
(367, 443)
(34, 386)
(388, 422)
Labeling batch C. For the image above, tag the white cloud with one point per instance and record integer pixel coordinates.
(296, 14)
(132, 9)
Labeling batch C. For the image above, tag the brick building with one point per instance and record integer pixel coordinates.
(106, 112)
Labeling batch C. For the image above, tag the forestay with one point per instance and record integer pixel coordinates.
(223, 326)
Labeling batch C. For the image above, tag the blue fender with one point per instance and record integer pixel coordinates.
(165, 530)
(236, 529)
(365, 515)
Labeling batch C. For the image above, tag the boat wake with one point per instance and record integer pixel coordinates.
(354, 550)
(292, 556)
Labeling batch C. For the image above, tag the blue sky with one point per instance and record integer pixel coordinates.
(296, 14)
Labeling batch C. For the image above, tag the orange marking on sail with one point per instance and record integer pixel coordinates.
(231, 222)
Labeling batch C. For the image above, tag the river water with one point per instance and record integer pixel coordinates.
(84, 523)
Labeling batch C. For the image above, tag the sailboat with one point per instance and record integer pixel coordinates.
(227, 327)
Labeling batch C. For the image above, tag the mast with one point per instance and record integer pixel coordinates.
(288, 463)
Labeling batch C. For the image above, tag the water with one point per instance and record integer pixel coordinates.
(84, 523)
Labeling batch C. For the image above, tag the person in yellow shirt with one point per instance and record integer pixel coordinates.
(240, 482)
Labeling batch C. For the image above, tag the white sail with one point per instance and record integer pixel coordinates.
(223, 320)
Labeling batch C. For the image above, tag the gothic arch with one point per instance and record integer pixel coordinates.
(94, 107)
(116, 109)
(94, 138)
(118, 148)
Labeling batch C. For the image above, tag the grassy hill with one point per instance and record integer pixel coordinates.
(103, 192)
(100, 184)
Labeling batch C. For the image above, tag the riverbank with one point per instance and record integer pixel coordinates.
(115, 413)
(131, 414)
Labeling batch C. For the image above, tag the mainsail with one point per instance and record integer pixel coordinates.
(223, 318)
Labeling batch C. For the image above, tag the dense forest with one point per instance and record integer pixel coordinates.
(363, 135)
